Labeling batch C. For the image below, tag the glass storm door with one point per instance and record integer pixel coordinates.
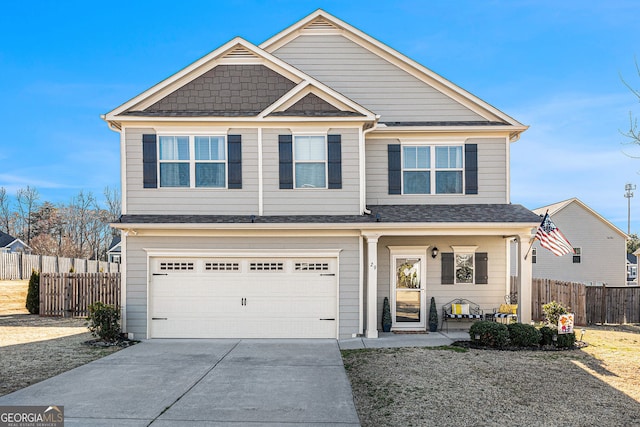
(408, 296)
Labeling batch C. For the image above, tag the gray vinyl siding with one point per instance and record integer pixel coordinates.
(137, 270)
(370, 80)
(344, 201)
(192, 200)
(488, 296)
(603, 251)
(492, 175)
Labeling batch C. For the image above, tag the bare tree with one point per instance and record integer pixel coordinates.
(114, 207)
(5, 211)
(633, 134)
(27, 202)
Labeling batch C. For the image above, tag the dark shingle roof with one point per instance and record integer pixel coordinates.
(458, 123)
(316, 114)
(192, 113)
(5, 239)
(632, 259)
(114, 242)
(506, 213)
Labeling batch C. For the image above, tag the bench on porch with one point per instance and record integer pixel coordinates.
(460, 309)
(509, 311)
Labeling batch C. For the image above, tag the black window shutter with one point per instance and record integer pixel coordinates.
(482, 268)
(334, 148)
(285, 147)
(234, 172)
(447, 268)
(471, 168)
(149, 161)
(395, 169)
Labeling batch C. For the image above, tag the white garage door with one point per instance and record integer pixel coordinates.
(243, 298)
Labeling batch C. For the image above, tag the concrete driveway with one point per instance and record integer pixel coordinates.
(203, 382)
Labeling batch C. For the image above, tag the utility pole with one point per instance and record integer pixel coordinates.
(628, 195)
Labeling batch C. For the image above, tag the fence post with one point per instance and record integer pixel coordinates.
(603, 309)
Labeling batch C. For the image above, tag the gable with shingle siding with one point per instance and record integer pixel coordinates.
(228, 88)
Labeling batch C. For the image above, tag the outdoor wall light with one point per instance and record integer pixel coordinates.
(434, 252)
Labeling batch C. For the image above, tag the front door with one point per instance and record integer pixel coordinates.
(408, 296)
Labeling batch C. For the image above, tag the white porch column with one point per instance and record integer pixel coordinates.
(372, 286)
(524, 279)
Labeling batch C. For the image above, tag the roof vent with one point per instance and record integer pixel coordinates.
(240, 52)
(320, 24)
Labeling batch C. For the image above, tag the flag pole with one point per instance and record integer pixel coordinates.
(535, 237)
(530, 246)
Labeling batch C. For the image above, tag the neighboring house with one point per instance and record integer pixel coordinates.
(632, 269)
(8, 243)
(115, 250)
(286, 189)
(600, 247)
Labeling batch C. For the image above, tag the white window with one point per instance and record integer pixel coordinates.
(192, 161)
(310, 161)
(577, 256)
(420, 175)
(174, 161)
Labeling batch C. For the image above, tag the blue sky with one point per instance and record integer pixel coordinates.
(555, 66)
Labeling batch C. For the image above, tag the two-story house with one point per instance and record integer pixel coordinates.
(286, 189)
(600, 247)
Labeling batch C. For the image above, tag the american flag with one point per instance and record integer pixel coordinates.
(551, 238)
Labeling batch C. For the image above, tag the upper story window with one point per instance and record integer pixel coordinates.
(422, 175)
(192, 161)
(310, 161)
(577, 256)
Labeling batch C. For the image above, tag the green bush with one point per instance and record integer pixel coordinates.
(562, 341)
(566, 340)
(433, 316)
(523, 335)
(104, 321)
(386, 315)
(552, 312)
(546, 335)
(490, 334)
(33, 293)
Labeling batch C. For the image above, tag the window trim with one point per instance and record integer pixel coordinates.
(432, 169)
(192, 160)
(325, 161)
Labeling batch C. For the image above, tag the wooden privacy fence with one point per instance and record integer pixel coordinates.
(590, 304)
(613, 304)
(18, 266)
(71, 294)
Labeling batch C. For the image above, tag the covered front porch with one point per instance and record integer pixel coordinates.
(411, 263)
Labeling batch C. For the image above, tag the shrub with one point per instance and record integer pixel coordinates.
(522, 335)
(433, 316)
(566, 340)
(546, 335)
(491, 334)
(386, 315)
(33, 293)
(104, 321)
(563, 340)
(552, 312)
